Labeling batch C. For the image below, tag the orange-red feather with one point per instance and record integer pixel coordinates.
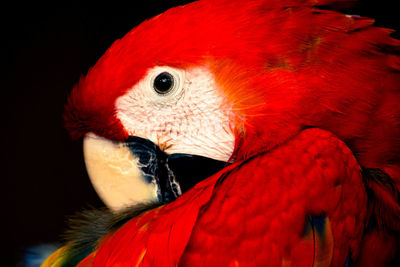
(253, 213)
(284, 66)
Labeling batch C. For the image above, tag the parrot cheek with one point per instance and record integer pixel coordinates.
(138, 171)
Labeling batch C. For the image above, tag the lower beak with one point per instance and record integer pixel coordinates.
(138, 171)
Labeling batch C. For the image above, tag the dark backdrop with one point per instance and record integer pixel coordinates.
(45, 50)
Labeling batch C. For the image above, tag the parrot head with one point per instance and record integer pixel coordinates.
(200, 86)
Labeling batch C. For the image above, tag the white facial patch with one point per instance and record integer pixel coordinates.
(191, 118)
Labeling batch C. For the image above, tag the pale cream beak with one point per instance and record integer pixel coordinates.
(114, 173)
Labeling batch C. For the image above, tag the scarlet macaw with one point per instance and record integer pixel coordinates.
(289, 111)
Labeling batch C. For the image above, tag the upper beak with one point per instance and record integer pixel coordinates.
(138, 171)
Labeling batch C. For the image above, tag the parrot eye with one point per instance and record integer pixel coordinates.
(163, 83)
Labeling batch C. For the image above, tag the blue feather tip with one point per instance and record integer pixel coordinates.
(34, 256)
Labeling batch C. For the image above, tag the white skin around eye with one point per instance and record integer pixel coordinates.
(192, 119)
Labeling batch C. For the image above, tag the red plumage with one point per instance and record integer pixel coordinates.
(284, 66)
(218, 223)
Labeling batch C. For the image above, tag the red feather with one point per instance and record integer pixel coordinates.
(284, 66)
(253, 212)
(295, 66)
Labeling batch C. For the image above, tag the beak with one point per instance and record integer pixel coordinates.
(138, 171)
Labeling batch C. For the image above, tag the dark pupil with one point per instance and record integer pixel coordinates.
(163, 83)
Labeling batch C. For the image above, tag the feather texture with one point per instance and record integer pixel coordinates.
(283, 67)
(209, 219)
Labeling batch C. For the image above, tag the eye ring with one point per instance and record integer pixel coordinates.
(164, 83)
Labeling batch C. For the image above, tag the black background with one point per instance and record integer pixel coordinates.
(45, 48)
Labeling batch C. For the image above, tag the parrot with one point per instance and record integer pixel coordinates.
(241, 133)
